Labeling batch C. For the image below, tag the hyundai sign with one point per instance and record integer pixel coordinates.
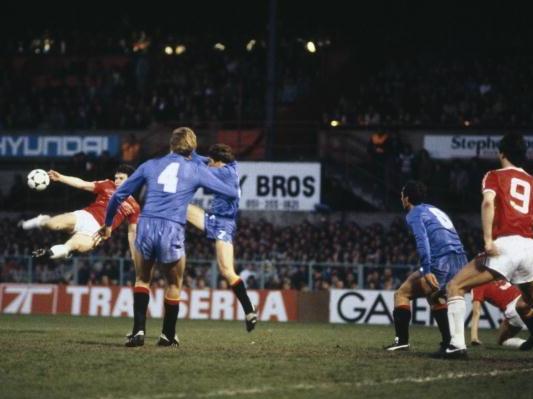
(33, 145)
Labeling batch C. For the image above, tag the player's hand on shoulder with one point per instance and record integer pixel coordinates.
(54, 176)
(431, 279)
(490, 249)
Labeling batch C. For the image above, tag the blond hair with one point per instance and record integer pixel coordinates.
(183, 141)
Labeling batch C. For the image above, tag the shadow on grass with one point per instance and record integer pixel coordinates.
(97, 343)
(18, 331)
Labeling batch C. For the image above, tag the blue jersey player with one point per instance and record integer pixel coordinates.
(441, 256)
(220, 225)
(171, 182)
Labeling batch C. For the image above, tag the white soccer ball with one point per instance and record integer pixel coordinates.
(38, 179)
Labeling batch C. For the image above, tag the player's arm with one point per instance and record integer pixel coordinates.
(71, 181)
(487, 219)
(210, 181)
(474, 323)
(132, 184)
(424, 250)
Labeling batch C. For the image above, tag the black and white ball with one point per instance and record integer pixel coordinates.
(38, 179)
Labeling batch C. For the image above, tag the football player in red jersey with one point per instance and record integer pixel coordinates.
(507, 222)
(505, 297)
(84, 224)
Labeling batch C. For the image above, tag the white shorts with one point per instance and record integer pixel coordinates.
(512, 315)
(515, 259)
(85, 223)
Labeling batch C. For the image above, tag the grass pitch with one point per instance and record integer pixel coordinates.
(82, 357)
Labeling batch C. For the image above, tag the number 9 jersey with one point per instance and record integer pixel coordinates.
(513, 214)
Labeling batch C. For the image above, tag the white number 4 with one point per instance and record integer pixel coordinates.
(169, 177)
(522, 196)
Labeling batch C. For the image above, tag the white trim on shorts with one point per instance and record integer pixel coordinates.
(85, 223)
(512, 315)
(515, 259)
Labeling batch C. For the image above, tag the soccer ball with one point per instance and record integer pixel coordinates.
(38, 179)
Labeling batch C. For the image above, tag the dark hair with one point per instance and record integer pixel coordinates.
(514, 148)
(221, 153)
(416, 191)
(126, 169)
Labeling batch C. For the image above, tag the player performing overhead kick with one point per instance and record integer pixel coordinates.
(507, 220)
(219, 224)
(84, 224)
(171, 182)
(441, 256)
(505, 297)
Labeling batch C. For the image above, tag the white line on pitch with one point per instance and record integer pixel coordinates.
(308, 387)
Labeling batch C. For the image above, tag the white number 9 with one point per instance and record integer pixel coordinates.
(523, 195)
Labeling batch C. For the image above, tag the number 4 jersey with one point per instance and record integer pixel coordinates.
(171, 182)
(512, 214)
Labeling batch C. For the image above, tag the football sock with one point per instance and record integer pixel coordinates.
(35, 222)
(456, 318)
(141, 297)
(402, 317)
(513, 342)
(240, 291)
(60, 251)
(440, 313)
(528, 321)
(172, 307)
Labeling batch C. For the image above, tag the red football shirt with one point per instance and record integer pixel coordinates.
(497, 293)
(513, 213)
(104, 189)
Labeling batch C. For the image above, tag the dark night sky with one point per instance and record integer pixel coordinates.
(406, 22)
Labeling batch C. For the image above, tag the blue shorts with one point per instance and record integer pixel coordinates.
(161, 240)
(219, 228)
(446, 267)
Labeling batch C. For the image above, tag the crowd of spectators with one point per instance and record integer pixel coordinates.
(434, 91)
(268, 256)
(132, 81)
(197, 80)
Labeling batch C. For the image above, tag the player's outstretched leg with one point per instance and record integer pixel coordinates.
(239, 289)
(34, 223)
(78, 242)
(224, 250)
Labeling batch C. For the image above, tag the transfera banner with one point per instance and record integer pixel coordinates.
(34, 145)
(204, 304)
(275, 186)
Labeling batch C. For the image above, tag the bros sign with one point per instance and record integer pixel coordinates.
(118, 301)
(275, 186)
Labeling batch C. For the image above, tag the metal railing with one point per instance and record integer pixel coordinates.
(82, 270)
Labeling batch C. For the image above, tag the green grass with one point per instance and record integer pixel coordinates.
(82, 357)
